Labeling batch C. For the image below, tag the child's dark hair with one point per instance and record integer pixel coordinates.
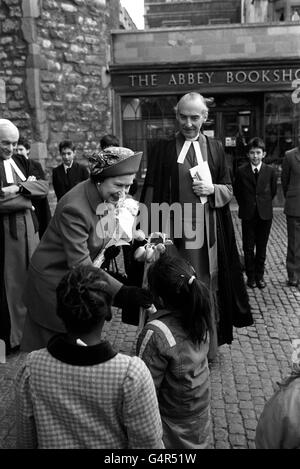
(66, 144)
(82, 299)
(256, 142)
(24, 143)
(173, 280)
(109, 140)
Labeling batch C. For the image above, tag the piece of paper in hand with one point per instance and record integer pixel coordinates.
(201, 172)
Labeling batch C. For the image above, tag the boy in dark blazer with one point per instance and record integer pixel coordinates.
(69, 173)
(255, 187)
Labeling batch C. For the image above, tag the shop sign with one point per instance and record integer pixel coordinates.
(217, 77)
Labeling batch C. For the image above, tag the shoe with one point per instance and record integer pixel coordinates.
(261, 283)
(251, 283)
(292, 283)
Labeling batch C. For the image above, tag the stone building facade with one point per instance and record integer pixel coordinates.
(166, 13)
(250, 74)
(54, 81)
(182, 13)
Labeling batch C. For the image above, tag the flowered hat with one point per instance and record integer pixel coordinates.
(114, 161)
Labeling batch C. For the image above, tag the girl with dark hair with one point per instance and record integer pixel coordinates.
(79, 392)
(174, 345)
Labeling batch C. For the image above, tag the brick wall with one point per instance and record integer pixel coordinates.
(54, 57)
(13, 54)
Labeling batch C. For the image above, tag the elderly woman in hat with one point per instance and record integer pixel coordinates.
(76, 236)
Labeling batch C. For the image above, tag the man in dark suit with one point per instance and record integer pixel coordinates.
(69, 173)
(255, 187)
(42, 208)
(203, 231)
(290, 179)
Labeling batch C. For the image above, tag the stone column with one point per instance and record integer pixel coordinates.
(31, 11)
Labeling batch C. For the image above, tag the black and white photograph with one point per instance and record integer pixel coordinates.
(149, 227)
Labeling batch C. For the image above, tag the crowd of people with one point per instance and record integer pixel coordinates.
(54, 298)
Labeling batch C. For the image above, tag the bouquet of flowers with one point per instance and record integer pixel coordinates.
(154, 247)
(116, 224)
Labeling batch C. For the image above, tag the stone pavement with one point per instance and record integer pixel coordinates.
(244, 374)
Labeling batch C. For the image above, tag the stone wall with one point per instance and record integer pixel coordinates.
(206, 43)
(13, 54)
(54, 57)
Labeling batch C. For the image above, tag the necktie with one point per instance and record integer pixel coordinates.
(256, 174)
(68, 178)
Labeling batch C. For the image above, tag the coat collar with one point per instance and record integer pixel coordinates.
(92, 194)
(164, 312)
(294, 152)
(297, 153)
(61, 348)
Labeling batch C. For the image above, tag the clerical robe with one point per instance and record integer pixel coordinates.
(18, 239)
(216, 261)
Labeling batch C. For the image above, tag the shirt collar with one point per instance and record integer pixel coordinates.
(64, 350)
(68, 167)
(256, 167)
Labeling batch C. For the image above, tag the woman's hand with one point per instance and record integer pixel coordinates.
(10, 190)
(132, 297)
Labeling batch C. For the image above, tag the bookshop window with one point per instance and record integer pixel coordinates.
(281, 119)
(146, 120)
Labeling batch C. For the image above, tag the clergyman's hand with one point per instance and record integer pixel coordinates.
(202, 187)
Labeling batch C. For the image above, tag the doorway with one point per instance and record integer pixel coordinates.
(234, 120)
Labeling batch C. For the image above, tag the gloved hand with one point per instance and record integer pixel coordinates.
(112, 252)
(132, 297)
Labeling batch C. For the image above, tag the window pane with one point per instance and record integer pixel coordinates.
(146, 120)
(279, 126)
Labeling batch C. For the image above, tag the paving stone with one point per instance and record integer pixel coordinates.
(220, 434)
(220, 422)
(251, 445)
(244, 396)
(238, 440)
(246, 405)
(250, 424)
(222, 445)
(235, 428)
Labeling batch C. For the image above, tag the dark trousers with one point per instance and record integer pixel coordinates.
(293, 248)
(5, 324)
(255, 234)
